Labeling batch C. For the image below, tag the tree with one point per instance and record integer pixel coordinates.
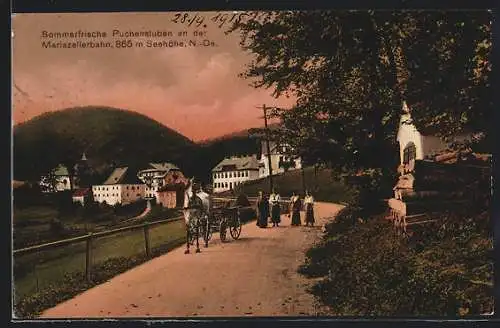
(351, 70)
(49, 181)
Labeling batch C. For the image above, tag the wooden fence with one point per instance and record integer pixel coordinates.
(88, 239)
(91, 238)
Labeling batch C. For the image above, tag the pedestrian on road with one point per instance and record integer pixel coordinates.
(274, 202)
(309, 202)
(262, 210)
(295, 206)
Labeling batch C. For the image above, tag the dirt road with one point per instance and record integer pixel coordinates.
(253, 276)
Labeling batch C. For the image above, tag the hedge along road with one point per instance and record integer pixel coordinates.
(255, 275)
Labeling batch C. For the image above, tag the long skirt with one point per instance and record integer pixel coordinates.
(296, 218)
(263, 216)
(276, 214)
(309, 214)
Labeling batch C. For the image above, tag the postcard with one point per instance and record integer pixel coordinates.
(251, 164)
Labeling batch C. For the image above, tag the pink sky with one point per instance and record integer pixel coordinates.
(194, 90)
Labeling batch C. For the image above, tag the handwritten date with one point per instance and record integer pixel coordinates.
(199, 20)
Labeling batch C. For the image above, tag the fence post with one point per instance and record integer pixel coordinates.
(146, 239)
(88, 259)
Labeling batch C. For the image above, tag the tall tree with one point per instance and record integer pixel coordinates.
(351, 70)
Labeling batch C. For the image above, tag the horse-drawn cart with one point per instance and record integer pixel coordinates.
(221, 219)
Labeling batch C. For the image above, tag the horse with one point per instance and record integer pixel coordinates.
(196, 206)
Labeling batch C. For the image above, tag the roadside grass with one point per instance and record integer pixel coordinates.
(159, 212)
(443, 269)
(36, 274)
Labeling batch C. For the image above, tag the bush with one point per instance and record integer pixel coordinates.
(56, 226)
(369, 270)
(27, 195)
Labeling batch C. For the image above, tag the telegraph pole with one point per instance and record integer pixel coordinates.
(264, 108)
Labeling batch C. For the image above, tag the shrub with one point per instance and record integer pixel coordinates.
(443, 269)
(56, 226)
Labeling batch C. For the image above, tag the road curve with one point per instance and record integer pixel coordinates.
(253, 276)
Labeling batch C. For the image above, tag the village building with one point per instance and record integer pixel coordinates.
(57, 180)
(280, 162)
(61, 179)
(233, 171)
(82, 196)
(156, 176)
(171, 195)
(121, 187)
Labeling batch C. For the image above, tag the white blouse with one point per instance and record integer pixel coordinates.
(309, 200)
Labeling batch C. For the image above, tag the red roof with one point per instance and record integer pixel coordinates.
(81, 192)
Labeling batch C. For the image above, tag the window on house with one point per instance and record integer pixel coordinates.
(230, 185)
(409, 153)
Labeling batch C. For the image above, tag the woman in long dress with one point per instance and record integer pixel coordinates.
(262, 210)
(309, 203)
(274, 202)
(295, 209)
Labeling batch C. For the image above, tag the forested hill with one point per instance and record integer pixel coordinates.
(108, 136)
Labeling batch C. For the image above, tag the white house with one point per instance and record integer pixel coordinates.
(122, 187)
(279, 161)
(419, 145)
(232, 171)
(158, 175)
(59, 181)
(59, 178)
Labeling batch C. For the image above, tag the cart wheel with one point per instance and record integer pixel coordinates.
(235, 228)
(223, 230)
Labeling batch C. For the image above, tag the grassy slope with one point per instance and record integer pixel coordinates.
(323, 186)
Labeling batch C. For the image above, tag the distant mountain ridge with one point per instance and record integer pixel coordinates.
(246, 133)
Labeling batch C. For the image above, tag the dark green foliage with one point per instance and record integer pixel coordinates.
(56, 227)
(443, 269)
(351, 70)
(27, 195)
(107, 135)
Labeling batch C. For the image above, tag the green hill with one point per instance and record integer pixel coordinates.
(322, 183)
(108, 136)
